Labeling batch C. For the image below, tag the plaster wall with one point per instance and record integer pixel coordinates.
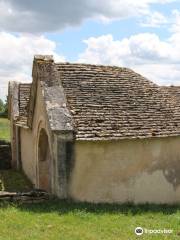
(138, 171)
(29, 139)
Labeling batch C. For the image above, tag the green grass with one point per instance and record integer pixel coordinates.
(65, 220)
(4, 129)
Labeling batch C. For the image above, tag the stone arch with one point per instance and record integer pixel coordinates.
(43, 161)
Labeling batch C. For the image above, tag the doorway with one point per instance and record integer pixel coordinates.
(43, 161)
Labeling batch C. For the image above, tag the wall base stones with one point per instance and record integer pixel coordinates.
(34, 196)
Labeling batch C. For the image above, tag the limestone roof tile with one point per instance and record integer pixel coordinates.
(108, 102)
(24, 97)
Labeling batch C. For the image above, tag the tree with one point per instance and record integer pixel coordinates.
(6, 107)
(1, 106)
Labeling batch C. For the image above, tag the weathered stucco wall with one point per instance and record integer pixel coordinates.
(136, 171)
(29, 139)
(13, 112)
(28, 154)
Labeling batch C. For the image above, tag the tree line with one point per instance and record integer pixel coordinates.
(3, 108)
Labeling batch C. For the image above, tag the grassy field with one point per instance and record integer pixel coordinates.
(66, 220)
(4, 129)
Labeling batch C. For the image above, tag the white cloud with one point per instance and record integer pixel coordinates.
(145, 52)
(176, 23)
(157, 59)
(45, 15)
(16, 57)
(154, 19)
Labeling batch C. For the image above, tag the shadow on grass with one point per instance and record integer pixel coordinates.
(11, 180)
(66, 206)
(14, 181)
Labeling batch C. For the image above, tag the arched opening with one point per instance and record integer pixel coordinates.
(43, 161)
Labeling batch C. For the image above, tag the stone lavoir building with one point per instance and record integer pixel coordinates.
(96, 133)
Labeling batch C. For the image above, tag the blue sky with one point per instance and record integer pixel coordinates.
(143, 35)
(69, 41)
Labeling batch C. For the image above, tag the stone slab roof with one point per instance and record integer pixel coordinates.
(100, 102)
(24, 97)
(173, 90)
(115, 103)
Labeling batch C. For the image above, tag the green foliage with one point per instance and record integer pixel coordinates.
(4, 108)
(1, 106)
(4, 129)
(1, 185)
